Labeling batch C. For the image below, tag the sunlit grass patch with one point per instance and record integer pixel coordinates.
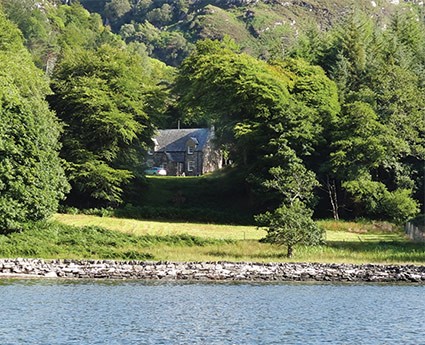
(143, 227)
(82, 236)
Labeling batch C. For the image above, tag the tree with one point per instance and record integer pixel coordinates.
(291, 225)
(32, 180)
(377, 145)
(291, 179)
(271, 115)
(376, 200)
(160, 16)
(80, 29)
(100, 96)
(169, 47)
(254, 104)
(366, 154)
(37, 26)
(243, 96)
(116, 11)
(52, 27)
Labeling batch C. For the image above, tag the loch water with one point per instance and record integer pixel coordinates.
(61, 312)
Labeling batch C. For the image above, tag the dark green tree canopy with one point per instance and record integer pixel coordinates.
(32, 180)
(354, 124)
(100, 96)
(254, 103)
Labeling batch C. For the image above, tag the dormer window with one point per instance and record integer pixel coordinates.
(191, 144)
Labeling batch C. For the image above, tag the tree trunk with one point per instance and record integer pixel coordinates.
(331, 188)
(290, 251)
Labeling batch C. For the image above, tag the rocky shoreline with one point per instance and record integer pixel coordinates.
(210, 271)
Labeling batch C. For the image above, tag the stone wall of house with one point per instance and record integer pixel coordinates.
(213, 158)
(196, 157)
(211, 271)
(160, 160)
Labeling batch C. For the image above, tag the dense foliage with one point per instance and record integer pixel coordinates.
(328, 121)
(31, 176)
(365, 150)
(100, 96)
(168, 29)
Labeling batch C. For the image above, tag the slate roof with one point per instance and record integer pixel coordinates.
(175, 156)
(174, 140)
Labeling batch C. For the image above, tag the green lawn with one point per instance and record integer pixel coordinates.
(83, 236)
(347, 242)
(335, 231)
(139, 227)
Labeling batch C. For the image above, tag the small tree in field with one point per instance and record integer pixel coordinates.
(291, 225)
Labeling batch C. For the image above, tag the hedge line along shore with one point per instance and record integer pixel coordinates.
(210, 271)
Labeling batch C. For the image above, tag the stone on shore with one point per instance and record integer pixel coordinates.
(213, 271)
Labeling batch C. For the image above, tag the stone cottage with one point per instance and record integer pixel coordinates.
(188, 152)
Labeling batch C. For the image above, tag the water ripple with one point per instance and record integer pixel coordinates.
(53, 312)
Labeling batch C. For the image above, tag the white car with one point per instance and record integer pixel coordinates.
(156, 171)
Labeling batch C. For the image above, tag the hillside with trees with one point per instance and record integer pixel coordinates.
(265, 28)
(319, 105)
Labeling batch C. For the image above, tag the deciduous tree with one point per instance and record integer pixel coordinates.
(100, 96)
(32, 179)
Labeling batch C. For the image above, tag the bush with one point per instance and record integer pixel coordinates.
(399, 206)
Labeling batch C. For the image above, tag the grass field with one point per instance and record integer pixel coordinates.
(138, 227)
(346, 241)
(83, 236)
(335, 231)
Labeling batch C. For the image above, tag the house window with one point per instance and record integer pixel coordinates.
(190, 165)
(190, 150)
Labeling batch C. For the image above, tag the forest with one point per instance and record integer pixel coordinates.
(321, 121)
